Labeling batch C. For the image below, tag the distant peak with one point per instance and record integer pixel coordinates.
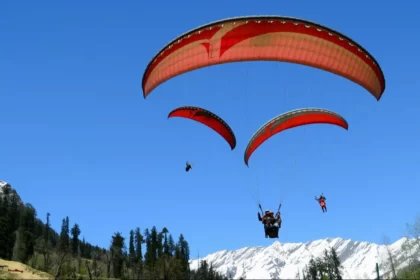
(284, 260)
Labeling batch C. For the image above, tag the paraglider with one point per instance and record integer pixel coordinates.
(207, 118)
(289, 120)
(265, 38)
(321, 201)
(271, 223)
(188, 167)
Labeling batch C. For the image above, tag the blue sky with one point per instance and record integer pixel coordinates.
(78, 138)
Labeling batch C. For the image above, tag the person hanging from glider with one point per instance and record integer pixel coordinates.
(321, 201)
(271, 223)
(207, 118)
(188, 167)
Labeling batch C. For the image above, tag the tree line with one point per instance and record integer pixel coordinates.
(327, 267)
(411, 252)
(150, 254)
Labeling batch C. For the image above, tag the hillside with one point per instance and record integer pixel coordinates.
(17, 270)
(32, 246)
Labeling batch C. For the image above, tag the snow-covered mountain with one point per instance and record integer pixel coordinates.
(285, 260)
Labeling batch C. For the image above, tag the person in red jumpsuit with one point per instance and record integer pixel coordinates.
(321, 201)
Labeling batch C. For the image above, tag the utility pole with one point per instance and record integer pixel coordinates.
(377, 271)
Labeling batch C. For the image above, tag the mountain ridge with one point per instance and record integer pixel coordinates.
(287, 260)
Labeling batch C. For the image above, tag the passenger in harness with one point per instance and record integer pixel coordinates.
(321, 201)
(272, 223)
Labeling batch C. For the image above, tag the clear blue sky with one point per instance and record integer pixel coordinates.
(78, 138)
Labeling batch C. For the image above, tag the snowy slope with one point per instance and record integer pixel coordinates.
(284, 260)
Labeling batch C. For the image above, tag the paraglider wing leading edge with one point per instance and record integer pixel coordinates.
(272, 38)
(207, 118)
(289, 120)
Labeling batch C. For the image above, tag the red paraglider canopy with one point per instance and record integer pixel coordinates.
(272, 38)
(207, 118)
(289, 120)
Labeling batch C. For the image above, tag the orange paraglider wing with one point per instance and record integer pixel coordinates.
(271, 38)
(289, 120)
(207, 118)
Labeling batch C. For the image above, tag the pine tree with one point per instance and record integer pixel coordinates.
(166, 249)
(328, 267)
(43, 243)
(83, 248)
(313, 270)
(4, 233)
(159, 243)
(171, 245)
(117, 249)
(337, 265)
(154, 245)
(329, 264)
(10, 215)
(321, 267)
(14, 213)
(63, 249)
(47, 228)
(75, 233)
(131, 249)
(138, 238)
(25, 241)
(64, 240)
(183, 253)
(205, 271)
(148, 257)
